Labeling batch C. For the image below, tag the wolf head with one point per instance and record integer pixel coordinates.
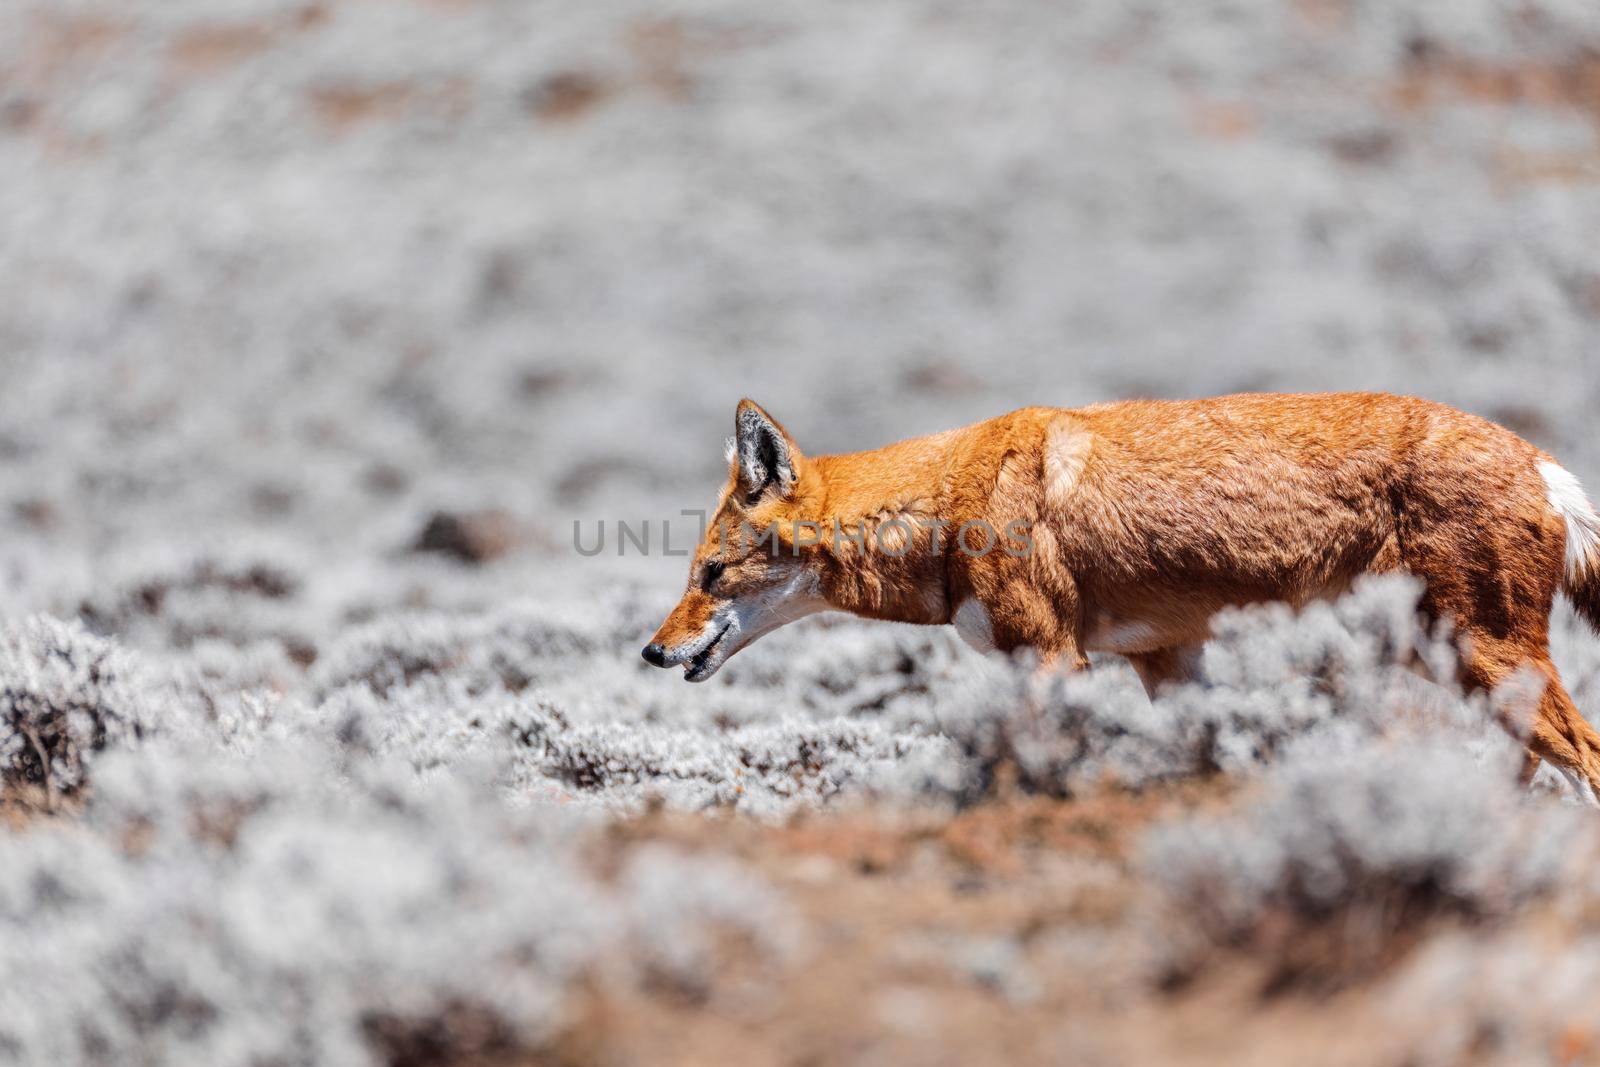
(756, 568)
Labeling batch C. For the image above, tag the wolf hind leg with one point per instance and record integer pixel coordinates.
(1558, 733)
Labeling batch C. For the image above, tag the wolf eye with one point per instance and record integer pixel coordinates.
(713, 571)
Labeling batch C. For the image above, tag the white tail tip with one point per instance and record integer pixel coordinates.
(1583, 525)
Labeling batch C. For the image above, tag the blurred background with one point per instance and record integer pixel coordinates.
(303, 273)
(323, 321)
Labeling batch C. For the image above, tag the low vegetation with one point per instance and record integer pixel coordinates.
(325, 322)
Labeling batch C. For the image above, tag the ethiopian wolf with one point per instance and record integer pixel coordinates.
(1124, 527)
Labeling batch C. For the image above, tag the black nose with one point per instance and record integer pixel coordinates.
(654, 654)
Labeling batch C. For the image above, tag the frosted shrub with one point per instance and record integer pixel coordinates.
(855, 708)
(227, 911)
(1354, 843)
(510, 648)
(1010, 732)
(436, 721)
(390, 653)
(64, 696)
(1509, 998)
(758, 768)
(1270, 676)
(677, 907)
(165, 599)
(840, 666)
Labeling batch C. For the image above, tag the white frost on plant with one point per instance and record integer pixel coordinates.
(283, 282)
(273, 909)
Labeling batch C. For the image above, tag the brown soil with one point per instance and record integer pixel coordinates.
(903, 911)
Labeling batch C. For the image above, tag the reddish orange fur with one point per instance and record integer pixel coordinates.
(1147, 517)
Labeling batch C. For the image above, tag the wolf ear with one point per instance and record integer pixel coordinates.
(767, 456)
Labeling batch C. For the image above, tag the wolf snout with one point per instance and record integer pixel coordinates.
(655, 654)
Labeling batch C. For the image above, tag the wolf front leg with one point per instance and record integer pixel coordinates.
(1025, 617)
(1067, 657)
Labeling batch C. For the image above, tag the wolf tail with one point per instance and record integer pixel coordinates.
(1582, 579)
